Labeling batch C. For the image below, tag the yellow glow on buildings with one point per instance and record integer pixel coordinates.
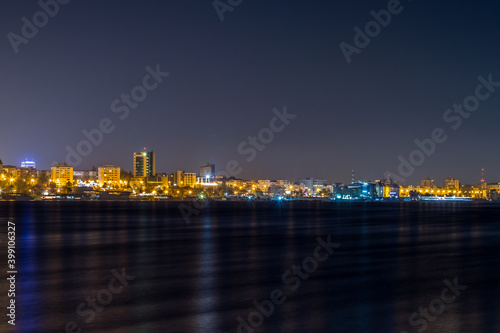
(109, 174)
(61, 174)
(465, 191)
(184, 179)
(144, 164)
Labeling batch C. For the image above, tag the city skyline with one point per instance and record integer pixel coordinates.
(211, 85)
(250, 166)
(200, 171)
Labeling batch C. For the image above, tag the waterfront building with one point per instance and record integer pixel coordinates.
(206, 181)
(109, 175)
(313, 185)
(137, 183)
(207, 170)
(158, 181)
(451, 183)
(184, 179)
(494, 191)
(61, 174)
(391, 188)
(283, 183)
(263, 184)
(144, 164)
(427, 182)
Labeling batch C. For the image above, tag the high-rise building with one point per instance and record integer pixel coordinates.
(28, 169)
(207, 170)
(28, 164)
(61, 174)
(109, 174)
(144, 164)
(451, 183)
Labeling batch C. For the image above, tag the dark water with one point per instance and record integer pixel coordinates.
(200, 277)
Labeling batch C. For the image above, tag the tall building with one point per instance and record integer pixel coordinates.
(144, 164)
(207, 170)
(184, 179)
(61, 174)
(28, 164)
(28, 169)
(427, 182)
(451, 183)
(109, 174)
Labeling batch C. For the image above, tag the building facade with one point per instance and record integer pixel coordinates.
(207, 170)
(61, 174)
(28, 164)
(85, 176)
(184, 179)
(427, 182)
(451, 183)
(109, 174)
(144, 164)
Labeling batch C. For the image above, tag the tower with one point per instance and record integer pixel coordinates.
(144, 164)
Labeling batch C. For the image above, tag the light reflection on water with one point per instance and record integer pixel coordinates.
(200, 277)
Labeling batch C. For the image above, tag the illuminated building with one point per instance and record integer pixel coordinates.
(284, 183)
(206, 181)
(61, 174)
(109, 174)
(313, 185)
(391, 188)
(473, 191)
(184, 179)
(10, 169)
(263, 184)
(85, 176)
(451, 183)
(494, 191)
(144, 164)
(160, 180)
(354, 190)
(137, 182)
(427, 182)
(28, 164)
(28, 169)
(207, 170)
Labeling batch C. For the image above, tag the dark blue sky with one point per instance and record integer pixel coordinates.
(226, 77)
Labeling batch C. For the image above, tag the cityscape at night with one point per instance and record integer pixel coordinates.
(236, 166)
(111, 182)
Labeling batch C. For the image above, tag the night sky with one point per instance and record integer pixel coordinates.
(227, 76)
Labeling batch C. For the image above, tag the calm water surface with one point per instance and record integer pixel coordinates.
(202, 276)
